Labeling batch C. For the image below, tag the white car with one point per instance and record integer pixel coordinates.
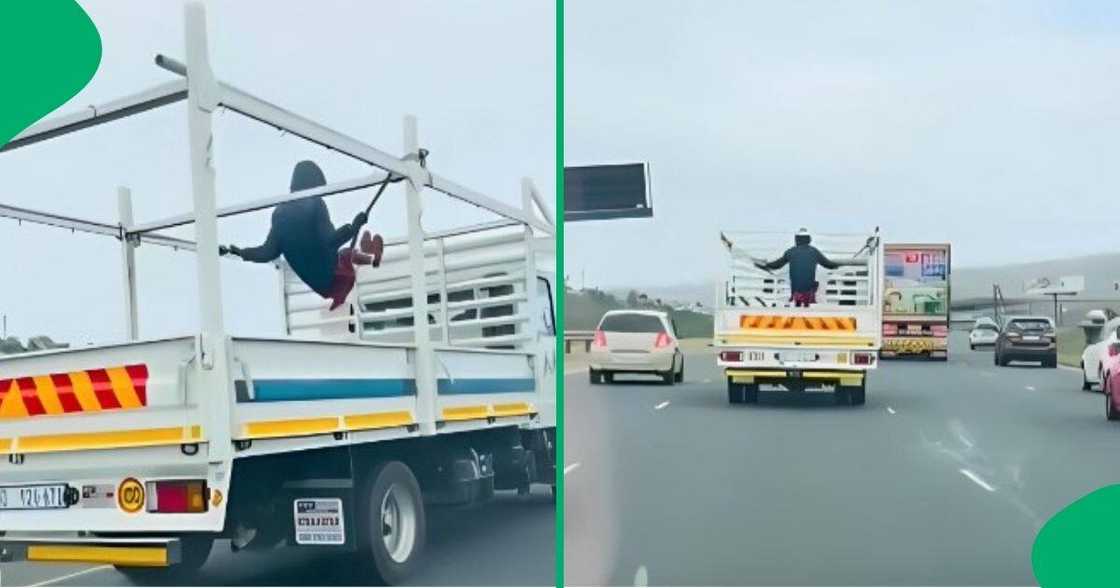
(983, 334)
(636, 342)
(1096, 352)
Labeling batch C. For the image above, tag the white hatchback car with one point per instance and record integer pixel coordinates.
(983, 334)
(636, 342)
(1095, 354)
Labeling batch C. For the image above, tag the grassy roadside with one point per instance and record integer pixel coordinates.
(1071, 342)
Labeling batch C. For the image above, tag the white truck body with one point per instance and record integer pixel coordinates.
(467, 405)
(763, 339)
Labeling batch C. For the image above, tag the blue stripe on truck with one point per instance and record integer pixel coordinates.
(284, 390)
(486, 385)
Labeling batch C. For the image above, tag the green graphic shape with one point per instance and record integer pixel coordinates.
(1076, 547)
(49, 51)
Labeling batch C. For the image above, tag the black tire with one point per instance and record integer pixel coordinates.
(972, 347)
(857, 395)
(595, 376)
(1110, 413)
(1050, 363)
(670, 376)
(373, 556)
(608, 377)
(995, 358)
(680, 375)
(194, 551)
(750, 393)
(734, 392)
(1085, 385)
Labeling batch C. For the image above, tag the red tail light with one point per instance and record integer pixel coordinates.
(890, 329)
(940, 331)
(662, 340)
(600, 338)
(863, 358)
(177, 496)
(731, 356)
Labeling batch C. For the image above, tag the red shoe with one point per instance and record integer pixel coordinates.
(372, 245)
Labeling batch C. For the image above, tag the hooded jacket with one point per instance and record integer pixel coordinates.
(803, 259)
(303, 233)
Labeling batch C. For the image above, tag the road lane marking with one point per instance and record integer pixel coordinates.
(1069, 367)
(641, 577)
(707, 381)
(890, 410)
(977, 479)
(71, 576)
(1031, 388)
(570, 468)
(661, 406)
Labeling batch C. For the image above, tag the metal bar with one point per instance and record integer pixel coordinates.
(73, 224)
(478, 228)
(128, 263)
(546, 212)
(425, 355)
(263, 203)
(154, 97)
(469, 196)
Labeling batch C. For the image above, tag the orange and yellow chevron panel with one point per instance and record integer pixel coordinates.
(111, 388)
(798, 323)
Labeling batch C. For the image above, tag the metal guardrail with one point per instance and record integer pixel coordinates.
(586, 336)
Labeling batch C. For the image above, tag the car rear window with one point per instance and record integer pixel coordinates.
(986, 327)
(1031, 324)
(631, 323)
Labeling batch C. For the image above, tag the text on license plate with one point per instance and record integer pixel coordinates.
(797, 356)
(43, 496)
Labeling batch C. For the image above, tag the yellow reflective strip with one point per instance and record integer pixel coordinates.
(83, 389)
(12, 406)
(122, 387)
(466, 413)
(5, 445)
(126, 556)
(513, 409)
(830, 375)
(378, 420)
(757, 373)
(106, 440)
(48, 395)
(290, 428)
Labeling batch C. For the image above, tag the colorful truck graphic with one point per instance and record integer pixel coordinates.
(916, 300)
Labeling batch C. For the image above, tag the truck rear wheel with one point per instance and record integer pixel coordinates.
(391, 523)
(596, 376)
(194, 550)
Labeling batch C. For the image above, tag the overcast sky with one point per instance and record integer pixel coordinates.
(991, 125)
(479, 75)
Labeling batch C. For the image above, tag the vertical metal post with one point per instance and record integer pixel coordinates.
(425, 358)
(440, 252)
(213, 365)
(128, 262)
(284, 299)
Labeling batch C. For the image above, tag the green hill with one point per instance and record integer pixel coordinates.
(582, 311)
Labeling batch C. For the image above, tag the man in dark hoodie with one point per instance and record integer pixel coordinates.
(803, 259)
(303, 233)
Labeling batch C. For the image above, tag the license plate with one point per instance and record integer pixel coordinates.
(913, 330)
(800, 356)
(319, 521)
(41, 497)
(1030, 337)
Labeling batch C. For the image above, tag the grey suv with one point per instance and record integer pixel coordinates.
(1027, 338)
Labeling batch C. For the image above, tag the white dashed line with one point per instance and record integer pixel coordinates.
(570, 468)
(707, 381)
(661, 406)
(978, 480)
(890, 410)
(1031, 388)
(71, 576)
(641, 577)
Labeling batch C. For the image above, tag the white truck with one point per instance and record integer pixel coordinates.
(435, 383)
(762, 339)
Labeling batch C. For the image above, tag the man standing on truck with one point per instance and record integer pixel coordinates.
(803, 259)
(303, 233)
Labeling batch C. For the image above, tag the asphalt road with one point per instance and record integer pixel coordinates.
(943, 478)
(507, 542)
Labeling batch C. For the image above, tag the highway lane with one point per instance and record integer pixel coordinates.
(943, 478)
(507, 542)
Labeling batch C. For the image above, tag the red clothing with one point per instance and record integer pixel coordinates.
(344, 278)
(804, 298)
